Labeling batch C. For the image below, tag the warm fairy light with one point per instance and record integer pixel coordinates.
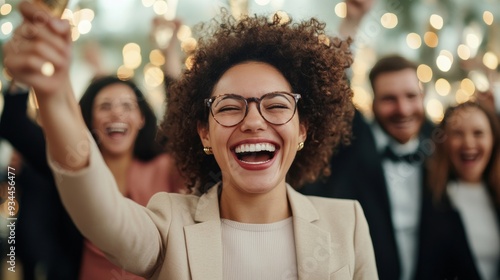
(156, 58)
(341, 10)
(284, 17)
(389, 20)
(431, 39)
(461, 96)
(75, 34)
(413, 41)
(7, 28)
(323, 39)
(473, 40)
(184, 32)
(160, 7)
(443, 87)
(84, 14)
(132, 55)
(5, 9)
(148, 3)
(124, 73)
(480, 80)
(444, 61)
(262, 2)
(153, 76)
(361, 98)
(488, 17)
(189, 45)
(467, 85)
(463, 52)
(189, 62)
(435, 110)
(84, 26)
(69, 16)
(424, 73)
(490, 60)
(436, 21)
(131, 47)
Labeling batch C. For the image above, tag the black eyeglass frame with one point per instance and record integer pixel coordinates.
(209, 102)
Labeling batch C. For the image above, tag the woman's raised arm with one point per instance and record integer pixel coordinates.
(39, 55)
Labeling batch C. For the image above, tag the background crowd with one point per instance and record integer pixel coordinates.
(426, 173)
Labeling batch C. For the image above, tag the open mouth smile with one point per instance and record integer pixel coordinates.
(116, 129)
(255, 153)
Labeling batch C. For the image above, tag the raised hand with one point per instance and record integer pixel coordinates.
(39, 52)
(39, 55)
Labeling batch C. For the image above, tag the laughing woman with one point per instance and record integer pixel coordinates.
(259, 111)
(464, 177)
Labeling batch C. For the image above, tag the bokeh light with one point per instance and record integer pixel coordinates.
(431, 39)
(341, 10)
(442, 87)
(389, 20)
(424, 73)
(463, 52)
(490, 60)
(435, 110)
(488, 17)
(436, 21)
(413, 41)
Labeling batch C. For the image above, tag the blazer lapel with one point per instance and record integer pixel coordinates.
(203, 239)
(313, 244)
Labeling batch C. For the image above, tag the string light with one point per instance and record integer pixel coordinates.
(463, 52)
(444, 61)
(389, 20)
(431, 39)
(436, 21)
(442, 87)
(424, 73)
(341, 10)
(413, 41)
(5, 9)
(488, 17)
(490, 60)
(7, 28)
(435, 110)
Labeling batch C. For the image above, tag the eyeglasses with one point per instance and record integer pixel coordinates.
(275, 107)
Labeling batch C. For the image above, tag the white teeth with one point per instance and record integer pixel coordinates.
(259, 147)
(117, 127)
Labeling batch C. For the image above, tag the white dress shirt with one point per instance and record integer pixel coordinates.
(481, 225)
(404, 189)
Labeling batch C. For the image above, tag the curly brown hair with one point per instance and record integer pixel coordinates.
(313, 64)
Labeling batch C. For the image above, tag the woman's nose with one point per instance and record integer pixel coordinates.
(253, 120)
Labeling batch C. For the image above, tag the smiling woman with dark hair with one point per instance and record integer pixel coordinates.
(464, 178)
(258, 113)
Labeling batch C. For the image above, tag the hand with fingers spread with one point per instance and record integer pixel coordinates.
(39, 52)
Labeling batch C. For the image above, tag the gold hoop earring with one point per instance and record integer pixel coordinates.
(300, 146)
(208, 150)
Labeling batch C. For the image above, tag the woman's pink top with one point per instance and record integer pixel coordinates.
(144, 180)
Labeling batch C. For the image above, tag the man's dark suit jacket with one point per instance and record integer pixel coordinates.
(445, 253)
(357, 173)
(48, 237)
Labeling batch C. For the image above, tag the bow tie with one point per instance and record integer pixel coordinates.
(415, 157)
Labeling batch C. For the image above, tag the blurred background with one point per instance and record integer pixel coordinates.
(455, 42)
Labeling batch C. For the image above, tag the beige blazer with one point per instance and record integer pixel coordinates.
(179, 236)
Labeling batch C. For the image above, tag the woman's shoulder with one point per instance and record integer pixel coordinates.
(334, 206)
